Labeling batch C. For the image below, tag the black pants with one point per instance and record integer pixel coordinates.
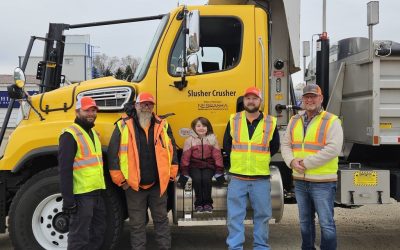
(202, 184)
(88, 225)
(138, 202)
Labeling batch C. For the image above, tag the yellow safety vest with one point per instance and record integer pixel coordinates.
(251, 157)
(313, 141)
(88, 163)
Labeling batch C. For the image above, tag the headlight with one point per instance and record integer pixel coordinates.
(23, 112)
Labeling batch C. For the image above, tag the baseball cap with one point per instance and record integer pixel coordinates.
(85, 103)
(145, 97)
(253, 90)
(312, 88)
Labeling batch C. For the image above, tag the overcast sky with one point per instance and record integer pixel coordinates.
(20, 19)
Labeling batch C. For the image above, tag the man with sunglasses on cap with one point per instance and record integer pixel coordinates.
(81, 178)
(251, 139)
(142, 161)
(310, 147)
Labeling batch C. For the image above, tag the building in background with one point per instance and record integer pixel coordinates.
(77, 64)
(5, 80)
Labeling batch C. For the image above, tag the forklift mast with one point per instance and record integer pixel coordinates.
(49, 70)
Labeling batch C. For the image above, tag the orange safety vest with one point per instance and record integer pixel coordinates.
(129, 155)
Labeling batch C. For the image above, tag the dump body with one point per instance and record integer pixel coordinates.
(364, 93)
(370, 105)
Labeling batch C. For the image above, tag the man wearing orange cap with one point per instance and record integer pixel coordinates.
(251, 139)
(142, 161)
(310, 147)
(81, 178)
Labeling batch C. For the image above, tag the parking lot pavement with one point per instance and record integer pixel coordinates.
(367, 228)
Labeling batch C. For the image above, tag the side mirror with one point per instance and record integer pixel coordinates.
(193, 64)
(193, 28)
(19, 78)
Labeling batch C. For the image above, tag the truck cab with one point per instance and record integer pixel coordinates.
(199, 63)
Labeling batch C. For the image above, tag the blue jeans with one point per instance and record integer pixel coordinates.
(259, 193)
(316, 197)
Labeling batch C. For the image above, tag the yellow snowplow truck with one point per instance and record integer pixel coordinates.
(199, 63)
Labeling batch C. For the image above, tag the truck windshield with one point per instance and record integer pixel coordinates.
(144, 64)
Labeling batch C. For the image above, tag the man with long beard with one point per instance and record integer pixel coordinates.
(251, 139)
(81, 178)
(142, 161)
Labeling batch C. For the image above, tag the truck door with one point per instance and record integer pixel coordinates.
(226, 68)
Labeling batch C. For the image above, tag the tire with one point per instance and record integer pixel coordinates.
(36, 220)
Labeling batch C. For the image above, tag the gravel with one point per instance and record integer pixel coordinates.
(366, 227)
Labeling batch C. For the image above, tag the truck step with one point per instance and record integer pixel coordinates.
(207, 221)
(211, 221)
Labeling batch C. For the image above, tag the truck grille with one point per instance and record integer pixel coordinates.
(110, 99)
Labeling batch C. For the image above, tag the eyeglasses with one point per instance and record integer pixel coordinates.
(146, 104)
(310, 96)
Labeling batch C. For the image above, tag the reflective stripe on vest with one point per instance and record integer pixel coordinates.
(167, 142)
(313, 141)
(123, 148)
(88, 162)
(251, 156)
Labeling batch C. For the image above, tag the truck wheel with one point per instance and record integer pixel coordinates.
(36, 220)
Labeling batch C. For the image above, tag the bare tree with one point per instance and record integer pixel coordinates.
(105, 64)
(132, 62)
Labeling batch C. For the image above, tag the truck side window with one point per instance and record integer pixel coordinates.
(220, 45)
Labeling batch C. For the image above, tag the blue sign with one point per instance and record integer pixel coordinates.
(5, 100)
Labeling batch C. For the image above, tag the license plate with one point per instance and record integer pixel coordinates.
(365, 178)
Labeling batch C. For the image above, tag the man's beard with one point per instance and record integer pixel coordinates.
(85, 123)
(253, 109)
(144, 119)
(311, 109)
